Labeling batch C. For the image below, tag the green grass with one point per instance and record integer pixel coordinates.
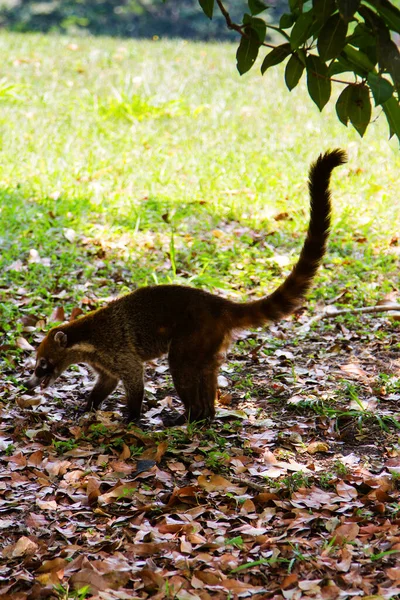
(168, 166)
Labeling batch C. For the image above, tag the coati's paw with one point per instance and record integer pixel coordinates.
(82, 410)
(173, 419)
(131, 418)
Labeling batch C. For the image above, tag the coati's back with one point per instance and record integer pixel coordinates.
(154, 314)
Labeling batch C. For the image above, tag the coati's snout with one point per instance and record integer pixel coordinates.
(46, 369)
(44, 375)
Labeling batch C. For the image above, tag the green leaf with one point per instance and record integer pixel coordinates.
(340, 65)
(381, 88)
(294, 5)
(293, 71)
(372, 19)
(343, 105)
(276, 56)
(247, 52)
(332, 37)
(360, 108)
(318, 82)
(323, 9)
(258, 25)
(208, 7)
(347, 8)
(391, 109)
(301, 30)
(286, 21)
(362, 64)
(389, 13)
(389, 58)
(362, 37)
(256, 6)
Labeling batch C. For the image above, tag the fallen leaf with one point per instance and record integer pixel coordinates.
(355, 370)
(24, 344)
(58, 314)
(24, 547)
(316, 446)
(346, 533)
(69, 234)
(217, 483)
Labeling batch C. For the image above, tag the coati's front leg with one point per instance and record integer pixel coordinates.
(103, 387)
(134, 389)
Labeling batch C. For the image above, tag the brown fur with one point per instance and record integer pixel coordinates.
(193, 326)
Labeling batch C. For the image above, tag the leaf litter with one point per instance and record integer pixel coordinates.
(292, 493)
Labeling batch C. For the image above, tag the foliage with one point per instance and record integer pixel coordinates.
(325, 38)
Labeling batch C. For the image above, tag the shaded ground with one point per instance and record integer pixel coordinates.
(291, 493)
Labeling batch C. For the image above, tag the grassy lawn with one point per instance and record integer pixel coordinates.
(124, 163)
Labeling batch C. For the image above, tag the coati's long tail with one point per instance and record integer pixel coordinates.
(285, 299)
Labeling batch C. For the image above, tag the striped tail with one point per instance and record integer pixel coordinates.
(287, 297)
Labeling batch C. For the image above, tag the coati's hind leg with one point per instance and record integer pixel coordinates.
(103, 387)
(134, 389)
(194, 370)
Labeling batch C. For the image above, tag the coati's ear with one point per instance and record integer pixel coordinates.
(61, 338)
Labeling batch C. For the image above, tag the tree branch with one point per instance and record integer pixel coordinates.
(329, 313)
(239, 28)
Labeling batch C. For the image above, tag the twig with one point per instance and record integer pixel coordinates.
(329, 313)
(254, 486)
(240, 29)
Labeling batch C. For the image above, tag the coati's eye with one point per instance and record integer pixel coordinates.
(42, 363)
(43, 367)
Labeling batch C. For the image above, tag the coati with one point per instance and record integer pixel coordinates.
(193, 326)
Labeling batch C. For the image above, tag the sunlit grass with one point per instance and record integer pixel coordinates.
(135, 144)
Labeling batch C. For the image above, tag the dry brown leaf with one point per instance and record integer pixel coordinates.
(46, 504)
(354, 370)
(125, 453)
(58, 314)
(217, 483)
(51, 578)
(289, 581)
(121, 490)
(236, 587)
(346, 532)
(393, 573)
(75, 313)
(312, 585)
(23, 547)
(225, 399)
(26, 401)
(248, 506)
(92, 490)
(52, 565)
(88, 577)
(317, 446)
(346, 491)
(24, 344)
(281, 216)
(35, 458)
(155, 452)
